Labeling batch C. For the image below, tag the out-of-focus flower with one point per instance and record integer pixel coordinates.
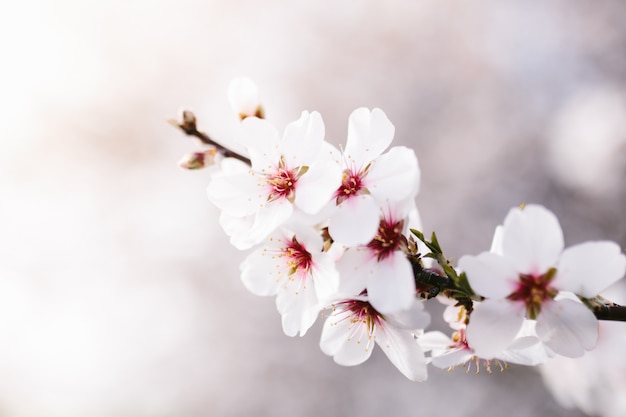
(370, 178)
(296, 169)
(523, 281)
(294, 268)
(354, 326)
(243, 96)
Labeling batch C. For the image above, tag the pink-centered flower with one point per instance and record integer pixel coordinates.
(449, 352)
(296, 170)
(370, 179)
(354, 327)
(381, 265)
(526, 276)
(294, 268)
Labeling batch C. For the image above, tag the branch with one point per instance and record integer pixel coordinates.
(612, 312)
(188, 126)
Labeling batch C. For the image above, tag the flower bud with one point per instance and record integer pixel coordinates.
(243, 96)
(197, 160)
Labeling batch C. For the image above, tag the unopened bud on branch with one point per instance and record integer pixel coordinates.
(197, 160)
(243, 96)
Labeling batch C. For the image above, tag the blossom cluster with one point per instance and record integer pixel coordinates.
(334, 232)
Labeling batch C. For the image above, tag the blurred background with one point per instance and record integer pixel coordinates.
(119, 293)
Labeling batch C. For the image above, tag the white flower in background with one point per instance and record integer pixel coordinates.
(450, 352)
(381, 266)
(294, 268)
(370, 178)
(523, 278)
(243, 96)
(354, 327)
(296, 169)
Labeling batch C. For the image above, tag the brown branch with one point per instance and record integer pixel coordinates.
(188, 126)
(612, 312)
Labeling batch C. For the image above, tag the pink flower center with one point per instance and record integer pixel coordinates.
(361, 315)
(283, 182)
(351, 184)
(388, 239)
(298, 258)
(533, 291)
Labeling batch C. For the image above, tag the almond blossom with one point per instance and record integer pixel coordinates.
(449, 352)
(292, 171)
(525, 278)
(294, 268)
(354, 327)
(381, 265)
(370, 178)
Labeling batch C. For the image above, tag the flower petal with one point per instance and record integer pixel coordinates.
(261, 140)
(302, 141)
(394, 176)
(347, 341)
(369, 134)
(298, 305)
(403, 351)
(489, 274)
(493, 326)
(567, 327)
(589, 268)
(452, 357)
(527, 350)
(390, 284)
(434, 340)
(317, 186)
(261, 272)
(355, 221)
(532, 239)
(414, 318)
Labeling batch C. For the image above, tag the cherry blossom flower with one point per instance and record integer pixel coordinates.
(354, 327)
(294, 268)
(370, 178)
(525, 278)
(450, 352)
(381, 266)
(295, 170)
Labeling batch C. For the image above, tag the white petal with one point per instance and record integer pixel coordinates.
(298, 306)
(403, 351)
(302, 141)
(369, 134)
(237, 228)
(243, 96)
(412, 319)
(317, 186)
(532, 239)
(353, 269)
(355, 222)
(434, 340)
(452, 358)
(261, 272)
(346, 341)
(239, 194)
(391, 285)
(261, 139)
(527, 350)
(394, 175)
(489, 274)
(496, 243)
(493, 326)
(325, 276)
(589, 268)
(567, 327)
(267, 219)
